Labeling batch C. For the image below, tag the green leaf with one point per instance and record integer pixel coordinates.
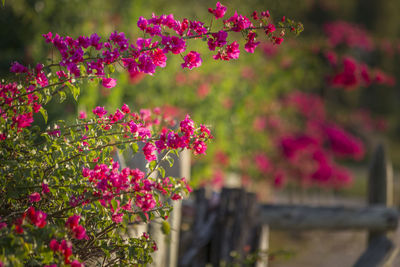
(176, 152)
(152, 165)
(46, 96)
(142, 216)
(165, 228)
(121, 147)
(75, 90)
(170, 160)
(161, 170)
(111, 68)
(4, 2)
(134, 147)
(44, 114)
(114, 204)
(62, 95)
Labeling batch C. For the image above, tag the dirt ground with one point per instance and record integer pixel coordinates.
(322, 248)
(316, 248)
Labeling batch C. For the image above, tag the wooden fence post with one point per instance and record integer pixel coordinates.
(236, 227)
(203, 228)
(175, 216)
(263, 246)
(380, 192)
(167, 253)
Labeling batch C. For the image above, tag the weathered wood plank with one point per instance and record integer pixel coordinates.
(236, 224)
(380, 179)
(380, 184)
(203, 229)
(181, 168)
(296, 217)
(380, 249)
(263, 246)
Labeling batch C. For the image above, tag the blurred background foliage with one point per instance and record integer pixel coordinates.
(227, 96)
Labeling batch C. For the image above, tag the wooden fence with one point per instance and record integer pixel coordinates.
(225, 231)
(225, 228)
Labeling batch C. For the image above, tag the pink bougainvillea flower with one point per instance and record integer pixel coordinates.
(45, 188)
(270, 28)
(277, 40)
(265, 14)
(54, 245)
(232, 50)
(76, 263)
(343, 143)
(82, 115)
(145, 202)
(41, 78)
(99, 111)
(18, 68)
(238, 22)
(125, 109)
(34, 197)
(219, 11)
(251, 45)
(192, 60)
(148, 151)
(262, 162)
(218, 40)
(348, 78)
(199, 147)
(79, 232)
(72, 221)
(117, 218)
(159, 58)
(176, 197)
(61, 74)
(290, 145)
(118, 115)
(37, 217)
(341, 32)
(66, 250)
(331, 56)
(174, 44)
(109, 82)
(187, 125)
(279, 179)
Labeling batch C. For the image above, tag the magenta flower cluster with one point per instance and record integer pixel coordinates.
(341, 32)
(11, 92)
(35, 217)
(351, 74)
(318, 144)
(305, 150)
(142, 56)
(64, 248)
(78, 231)
(110, 184)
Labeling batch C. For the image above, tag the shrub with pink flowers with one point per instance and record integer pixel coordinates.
(64, 199)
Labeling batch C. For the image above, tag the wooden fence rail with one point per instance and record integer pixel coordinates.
(294, 217)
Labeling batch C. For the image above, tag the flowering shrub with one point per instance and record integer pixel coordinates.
(64, 200)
